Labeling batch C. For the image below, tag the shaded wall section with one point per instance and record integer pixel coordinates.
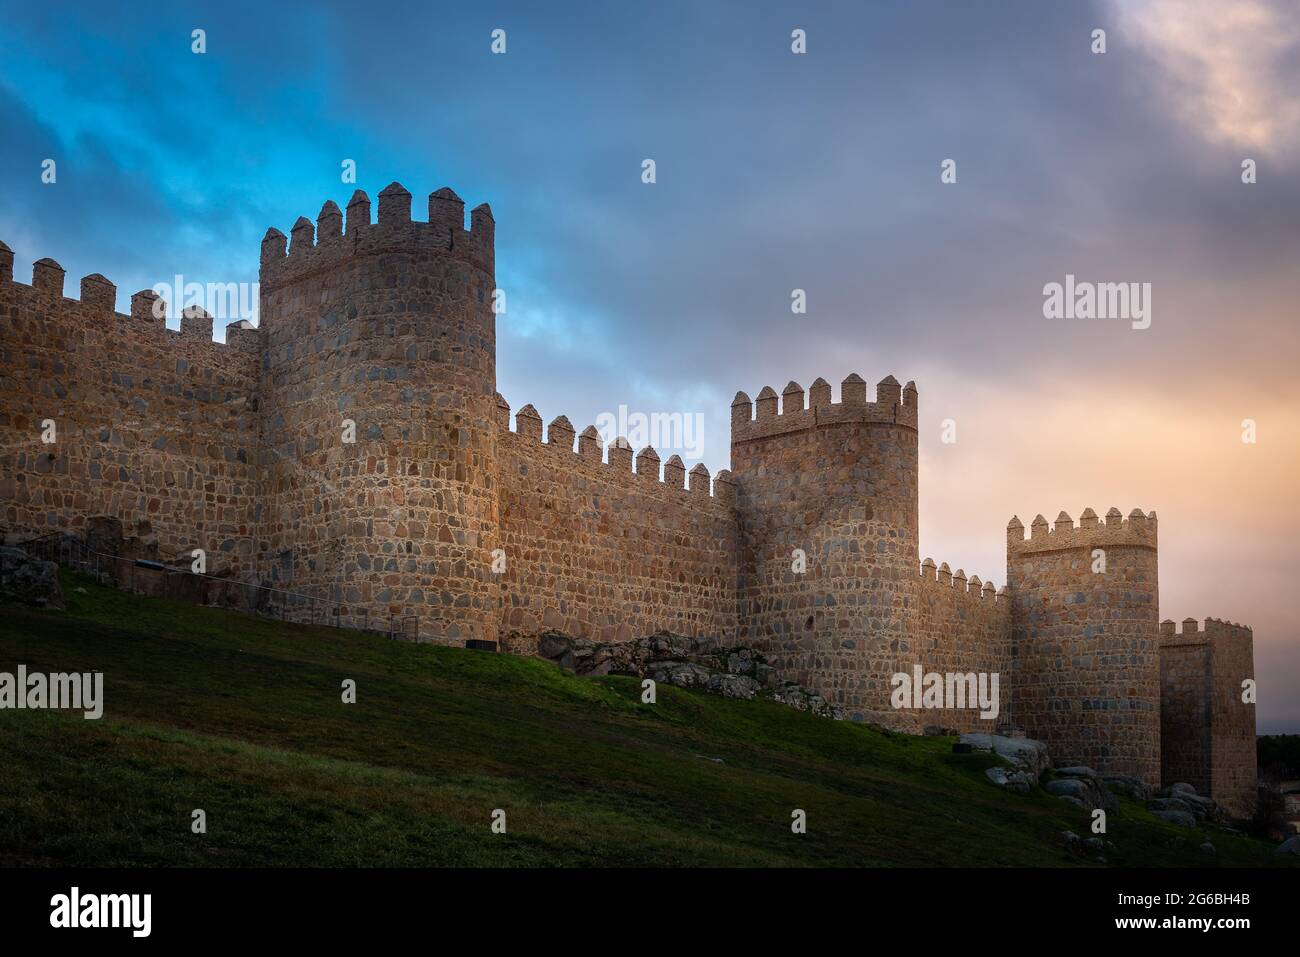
(597, 550)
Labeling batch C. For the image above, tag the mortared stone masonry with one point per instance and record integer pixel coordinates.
(439, 512)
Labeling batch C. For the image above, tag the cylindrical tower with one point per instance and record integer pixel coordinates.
(378, 394)
(827, 498)
(1085, 640)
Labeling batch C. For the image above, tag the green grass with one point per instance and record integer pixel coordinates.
(243, 717)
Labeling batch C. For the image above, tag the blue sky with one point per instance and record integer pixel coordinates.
(775, 172)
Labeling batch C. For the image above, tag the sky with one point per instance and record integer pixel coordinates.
(774, 171)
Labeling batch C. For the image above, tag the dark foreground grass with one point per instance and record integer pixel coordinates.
(243, 718)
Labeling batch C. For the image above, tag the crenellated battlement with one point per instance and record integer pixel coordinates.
(157, 428)
(313, 248)
(972, 588)
(1190, 630)
(355, 449)
(617, 460)
(1138, 530)
(145, 325)
(894, 405)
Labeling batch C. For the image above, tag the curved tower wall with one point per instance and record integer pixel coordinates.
(1085, 640)
(389, 326)
(837, 482)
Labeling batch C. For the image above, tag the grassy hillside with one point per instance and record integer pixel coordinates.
(243, 717)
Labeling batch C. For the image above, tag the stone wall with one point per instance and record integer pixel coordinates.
(388, 325)
(1207, 731)
(838, 482)
(962, 626)
(1085, 644)
(596, 550)
(1235, 774)
(155, 428)
(386, 328)
(1186, 689)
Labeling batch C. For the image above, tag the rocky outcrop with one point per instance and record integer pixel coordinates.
(1078, 786)
(939, 731)
(1083, 787)
(1180, 803)
(1025, 754)
(801, 699)
(1018, 781)
(1181, 818)
(1169, 804)
(29, 580)
(686, 663)
(1127, 786)
(1081, 846)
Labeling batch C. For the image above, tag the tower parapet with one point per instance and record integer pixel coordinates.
(1138, 530)
(323, 245)
(894, 405)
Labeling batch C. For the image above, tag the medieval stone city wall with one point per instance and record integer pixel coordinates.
(962, 626)
(1085, 643)
(1207, 730)
(1186, 693)
(154, 428)
(1235, 771)
(596, 550)
(353, 449)
(836, 481)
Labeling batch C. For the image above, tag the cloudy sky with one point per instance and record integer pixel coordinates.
(775, 172)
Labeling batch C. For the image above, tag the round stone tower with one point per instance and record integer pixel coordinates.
(827, 498)
(1085, 639)
(378, 390)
